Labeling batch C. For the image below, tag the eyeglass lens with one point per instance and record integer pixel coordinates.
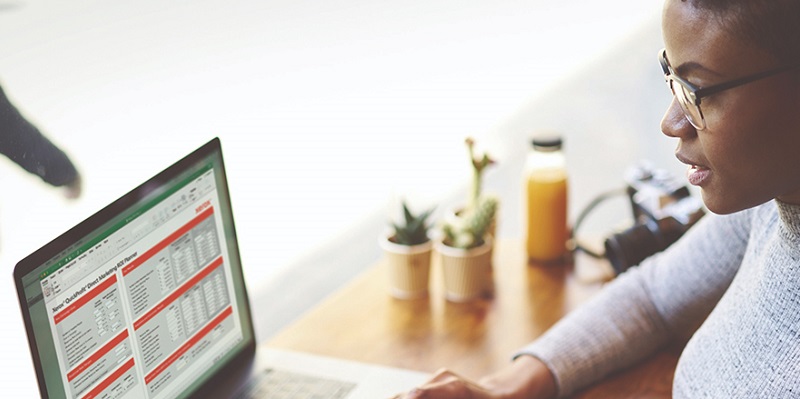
(692, 111)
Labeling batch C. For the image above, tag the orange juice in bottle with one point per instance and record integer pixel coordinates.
(546, 201)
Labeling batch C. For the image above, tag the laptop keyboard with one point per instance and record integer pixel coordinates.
(278, 384)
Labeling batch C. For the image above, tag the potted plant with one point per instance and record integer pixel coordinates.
(466, 251)
(408, 254)
(479, 162)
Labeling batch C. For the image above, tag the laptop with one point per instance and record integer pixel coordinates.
(146, 299)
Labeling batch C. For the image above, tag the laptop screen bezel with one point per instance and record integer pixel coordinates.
(47, 252)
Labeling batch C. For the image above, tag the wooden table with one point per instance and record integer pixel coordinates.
(363, 322)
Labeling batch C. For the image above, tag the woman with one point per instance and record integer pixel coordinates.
(732, 282)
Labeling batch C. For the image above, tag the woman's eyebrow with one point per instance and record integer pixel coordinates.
(688, 67)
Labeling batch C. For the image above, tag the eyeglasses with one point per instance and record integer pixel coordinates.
(689, 95)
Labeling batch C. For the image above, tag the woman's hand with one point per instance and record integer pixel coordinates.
(527, 377)
(446, 384)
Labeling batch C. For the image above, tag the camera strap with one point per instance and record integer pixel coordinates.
(602, 197)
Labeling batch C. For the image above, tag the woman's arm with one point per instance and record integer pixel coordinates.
(668, 296)
(665, 298)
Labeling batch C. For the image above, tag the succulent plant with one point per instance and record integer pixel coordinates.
(413, 230)
(469, 229)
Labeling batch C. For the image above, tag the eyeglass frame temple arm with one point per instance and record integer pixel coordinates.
(698, 93)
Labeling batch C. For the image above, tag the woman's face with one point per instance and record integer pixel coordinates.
(749, 151)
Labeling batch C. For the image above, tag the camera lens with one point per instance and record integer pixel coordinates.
(632, 246)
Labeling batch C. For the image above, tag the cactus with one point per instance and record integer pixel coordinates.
(468, 230)
(414, 230)
(479, 163)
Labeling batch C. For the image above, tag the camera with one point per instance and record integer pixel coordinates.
(663, 209)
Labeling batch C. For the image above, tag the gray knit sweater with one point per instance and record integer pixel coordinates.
(737, 275)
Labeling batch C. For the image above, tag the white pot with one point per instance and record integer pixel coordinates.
(467, 272)
(409, 268)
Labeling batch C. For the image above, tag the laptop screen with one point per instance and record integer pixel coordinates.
(146, 298)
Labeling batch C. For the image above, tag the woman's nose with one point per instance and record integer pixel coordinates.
(674, 122)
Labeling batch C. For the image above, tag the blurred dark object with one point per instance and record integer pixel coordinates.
(663, 209)
(24, 144)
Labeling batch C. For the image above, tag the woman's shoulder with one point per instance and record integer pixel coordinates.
(767, 209)
(766, 217)
(741, 223)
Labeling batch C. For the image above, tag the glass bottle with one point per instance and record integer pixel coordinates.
(546, 200)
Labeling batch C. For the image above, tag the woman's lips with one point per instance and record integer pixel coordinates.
(697, 175)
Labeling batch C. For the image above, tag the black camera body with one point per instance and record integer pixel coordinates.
(663, 209)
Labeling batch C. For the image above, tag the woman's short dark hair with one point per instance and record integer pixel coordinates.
(773, 25)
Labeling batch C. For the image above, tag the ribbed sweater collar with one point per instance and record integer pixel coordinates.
(790, 217)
